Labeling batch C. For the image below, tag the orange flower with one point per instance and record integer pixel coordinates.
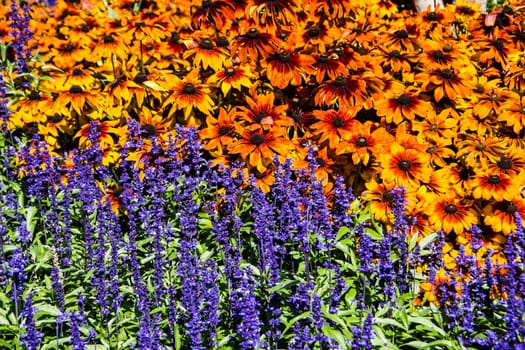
(495, 186)
(363, 143)
(513, 114)
(254, 45)
(449, 213)
(213, 13)
(344, 90)
(328, 66)
(397, 107)
(206, 54)
(501, 215)
(262, 112)
(334, 126)
(436, 126)
(405, 166)
(478, 150)
(393, 60)
(446, 82)
(492, 101)
(288, 68)
(258, 147)
(189, 94)
(75, 99)
(381, 198)
(218, 133)
(232, 76)
(404, 39)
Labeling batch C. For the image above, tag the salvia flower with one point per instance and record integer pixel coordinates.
(31, 338)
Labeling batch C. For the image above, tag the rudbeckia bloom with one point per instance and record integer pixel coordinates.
(446, 82)
(450, 213)
(393, 60)
(110, 45)
(288, 68)
(106, 130)
(206, 54)
(345, 90)
(254, 45)
(492, 101)
(189, 94)
(258, 147)
(30, 109)
(498, 186)
(363, 143)
(334, 126)
(501, 215)
(511, 162)
(213, 13)
(436, 126)
(232, 76)
(403, 39)
(328, 66)
(397, 107)
(513, 114)
(76, 99)
(405, 166)
(479, 151)
(219, 132)
(262, 112)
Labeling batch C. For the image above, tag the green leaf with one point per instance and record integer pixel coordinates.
(427, 323)
(48, 309)
(390, 322)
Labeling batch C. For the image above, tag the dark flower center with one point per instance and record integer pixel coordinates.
(229, 72)
(207, 4)
(511, 208)
(314, 32)
(149, 47)
(323, 59)
(284, 57)
(340, 82)
(259, 117)
(361, 141)
(479, 89)
(404, 164)
(505, 163)
(75, 89)
(108, 39)
(282, 35)
(401, 34)
(481, 147)
(224, 130)
(507, 10)
(465, 10)
(433, 127)
(451, 209)
(499, 44)
(180, 72)
(320, 161)
(253, 33)
(447, 48)
(189, 89)
(149, 130)
(432, 149)
(85, 28)
(438, 55)
(493, 97)
(395, 54)
(222, 41)
(447, 74)
(404, 100)
(140, 78)
(69, 48)
(175, 37)
(297, 116)
(388, 196)
(139, 24)
(257, 139)
(338, 122)
(206, 44)
(77, 72)
(494, 179)
(34, 96)
(432, 16)
(57, 118)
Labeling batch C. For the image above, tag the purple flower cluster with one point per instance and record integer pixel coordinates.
(31, 338)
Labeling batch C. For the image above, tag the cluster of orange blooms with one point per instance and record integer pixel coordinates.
(432, 101)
